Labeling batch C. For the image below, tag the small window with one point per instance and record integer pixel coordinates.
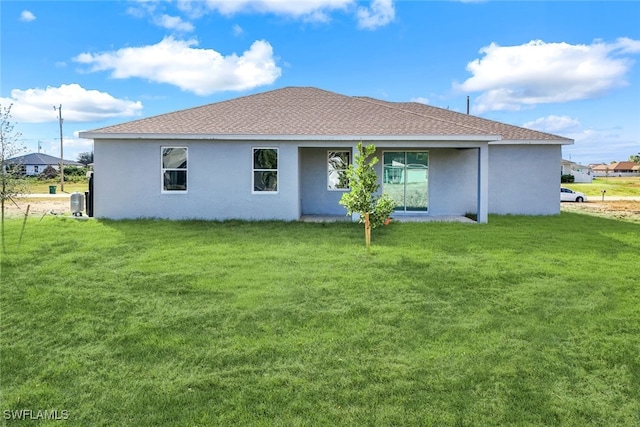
(265, 170)
(36, 169)
(174, 169)
(337, 164)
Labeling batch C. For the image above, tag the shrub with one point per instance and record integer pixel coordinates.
(567, 178)
(48, 173)
(70, 171)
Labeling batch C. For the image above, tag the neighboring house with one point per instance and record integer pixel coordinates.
(282, 154)
(34, 163)
(580, 173)
(601, 169)
(617, 169)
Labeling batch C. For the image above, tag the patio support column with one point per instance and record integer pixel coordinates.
(483, 183)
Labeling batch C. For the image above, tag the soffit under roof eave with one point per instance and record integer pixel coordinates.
(532, 142)
(164, 136)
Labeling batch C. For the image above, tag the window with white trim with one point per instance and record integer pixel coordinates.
(174, 169)
(265, 169)
(337, 164)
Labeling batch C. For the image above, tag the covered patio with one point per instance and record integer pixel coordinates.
(430, 179)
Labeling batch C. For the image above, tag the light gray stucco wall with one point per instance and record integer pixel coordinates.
(524, 179)
(127, 181)
(316, 198)
(453, 186)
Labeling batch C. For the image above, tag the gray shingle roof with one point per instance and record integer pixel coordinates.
(307, 111)
(40, 159)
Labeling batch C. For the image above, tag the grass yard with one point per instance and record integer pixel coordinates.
(525, 321)
(614, 186)
(36, 186)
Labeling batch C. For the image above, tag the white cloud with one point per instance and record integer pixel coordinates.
(517, 77)
(380, 13)
(600, 145)
(237, 30)
(153, 10)
(294, 8)
(627, 45)
(591, 145)
(141, 10)
(173, 23)
(78, 104)
(177, 62)
(27, 16)
(74, 146)
(377, 14)
(420, 99)
(554, 124)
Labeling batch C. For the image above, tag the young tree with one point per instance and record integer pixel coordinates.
(361, 199)
(11, 181)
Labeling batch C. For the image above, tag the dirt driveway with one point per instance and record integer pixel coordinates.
(626, 210)
(39, 205)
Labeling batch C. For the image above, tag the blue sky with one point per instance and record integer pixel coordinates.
(569, 68)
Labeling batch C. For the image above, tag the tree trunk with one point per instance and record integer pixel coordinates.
(4, 248)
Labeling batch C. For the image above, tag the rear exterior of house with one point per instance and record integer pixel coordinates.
(282, 154)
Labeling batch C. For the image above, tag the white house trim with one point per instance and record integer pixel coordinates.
(300, 138)
(531, 142)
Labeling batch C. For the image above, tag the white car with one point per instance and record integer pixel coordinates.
(567, 195)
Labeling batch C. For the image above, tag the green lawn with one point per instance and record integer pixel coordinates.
(36, 186)
(614, 186)
(525, 321)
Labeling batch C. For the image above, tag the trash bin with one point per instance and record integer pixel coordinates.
(52, 189)
(77, 204)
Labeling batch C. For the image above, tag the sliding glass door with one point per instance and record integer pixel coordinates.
(405, 179)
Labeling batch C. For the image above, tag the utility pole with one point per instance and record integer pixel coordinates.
(61, 147)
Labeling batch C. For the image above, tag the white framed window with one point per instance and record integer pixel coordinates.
(265, 170)
(174, 169)
(337, 164)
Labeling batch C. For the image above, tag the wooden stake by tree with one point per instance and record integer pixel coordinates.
(361, 199)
